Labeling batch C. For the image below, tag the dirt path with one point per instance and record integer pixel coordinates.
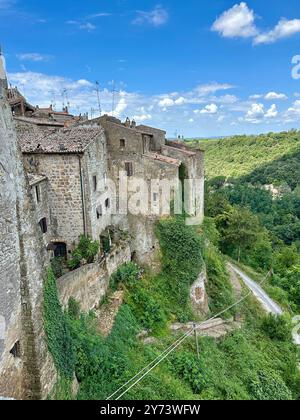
(108, 312)
(236, 284)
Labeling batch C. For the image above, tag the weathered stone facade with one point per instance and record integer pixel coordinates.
(63, 190)
(26, 369)
(89, 284)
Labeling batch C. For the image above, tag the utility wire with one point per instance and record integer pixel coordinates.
(146, 367)
(173, 346)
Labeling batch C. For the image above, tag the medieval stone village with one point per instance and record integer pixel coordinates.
(55, 169)
(149, 203)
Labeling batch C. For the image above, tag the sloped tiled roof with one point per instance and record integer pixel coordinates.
(39, 121)
(66, 140)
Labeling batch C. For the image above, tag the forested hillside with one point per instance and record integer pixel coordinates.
(254, 362)
(253, 195)
(268, 158)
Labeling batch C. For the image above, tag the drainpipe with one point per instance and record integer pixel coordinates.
(82, 196)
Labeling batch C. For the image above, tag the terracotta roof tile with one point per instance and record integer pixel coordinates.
(66, 140)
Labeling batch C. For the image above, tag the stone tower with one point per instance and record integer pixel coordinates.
(26, 368)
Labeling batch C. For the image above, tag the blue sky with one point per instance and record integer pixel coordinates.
(196, 68)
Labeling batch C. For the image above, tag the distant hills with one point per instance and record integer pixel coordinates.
(272, 158)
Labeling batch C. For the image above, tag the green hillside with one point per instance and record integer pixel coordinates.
(258, 227)
(273, 157)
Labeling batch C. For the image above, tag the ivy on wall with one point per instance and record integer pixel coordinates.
(57, 329)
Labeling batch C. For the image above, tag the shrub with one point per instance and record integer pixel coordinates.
(57, 329)
(277, 327)
(73, 308)
(57, 266)
(126, 274)
(86, 250)
(268, 385)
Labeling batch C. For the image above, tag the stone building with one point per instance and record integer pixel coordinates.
(26, 369)
(143, 152)
(61, 177)
(72, 163)
(80, 164)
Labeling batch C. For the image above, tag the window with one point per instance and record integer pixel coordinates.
(95, 182)
(43, 225)
(129, 168)
(155, 198)
(99, 212)
(122, 144)
(16, 350)
(107, 203)
(37, 193)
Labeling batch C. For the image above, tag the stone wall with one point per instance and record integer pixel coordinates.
(64, 173)
(95, 167)
(26, 368)
(89, 284)
(40, 198)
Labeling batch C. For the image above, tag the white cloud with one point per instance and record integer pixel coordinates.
(99, 15)
(35, 57)
(208, 109)
(271, 96)
(141, 118)
(255, 97)
(239, 22)
(284, 29)
(213, 87)
(156, 17)
(166, 102)
(191, 120)
(236, 22)
(293, 113)
(86, 26)
(256, 113)
(272, 112)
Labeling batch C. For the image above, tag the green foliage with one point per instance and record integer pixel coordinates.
(57, 265)
(127, 274)
(73, 308)
(219, 288)
(86, 250)
(188, 367)
(277, 327)
(182, 260)
(57, 329)
(62, 390)
(272, 158)
(269, 386)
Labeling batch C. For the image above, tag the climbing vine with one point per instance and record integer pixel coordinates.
(57, 329)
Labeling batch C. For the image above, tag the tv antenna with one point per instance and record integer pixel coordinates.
(98, 97)
(114, 91)
(65, 97)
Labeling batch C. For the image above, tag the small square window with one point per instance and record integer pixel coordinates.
(122, 144)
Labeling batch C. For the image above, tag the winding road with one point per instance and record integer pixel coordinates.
(268, 304)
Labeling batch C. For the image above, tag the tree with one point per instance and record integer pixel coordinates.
(239, 230)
